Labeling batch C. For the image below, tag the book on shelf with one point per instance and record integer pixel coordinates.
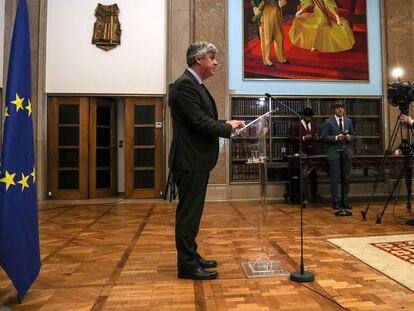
(245, 172)
(250, 107)
(295, 104)
(281, 128)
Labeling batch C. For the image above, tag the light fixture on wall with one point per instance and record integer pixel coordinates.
(261, 101)
(397, 73)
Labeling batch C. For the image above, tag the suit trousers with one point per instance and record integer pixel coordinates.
(335, 176)
(192, 187)
(271, 30)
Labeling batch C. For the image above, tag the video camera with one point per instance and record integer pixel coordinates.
(401, 94)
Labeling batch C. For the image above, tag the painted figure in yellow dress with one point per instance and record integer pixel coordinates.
(267, 12)
(322, 30)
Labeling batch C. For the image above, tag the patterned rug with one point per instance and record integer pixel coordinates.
(393, 255)
(401, 249)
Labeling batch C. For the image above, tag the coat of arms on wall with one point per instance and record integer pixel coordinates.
(107, 29)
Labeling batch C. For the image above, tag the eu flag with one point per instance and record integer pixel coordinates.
(19, 232)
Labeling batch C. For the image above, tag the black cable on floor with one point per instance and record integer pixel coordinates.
(324, 296)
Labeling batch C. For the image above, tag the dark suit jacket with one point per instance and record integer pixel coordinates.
(330, 130)
(196, 130)
(298, 131)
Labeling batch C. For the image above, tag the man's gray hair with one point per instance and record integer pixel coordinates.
(199, 49)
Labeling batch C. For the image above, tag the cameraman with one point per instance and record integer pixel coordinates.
(406, 120)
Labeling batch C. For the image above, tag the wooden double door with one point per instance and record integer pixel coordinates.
(83, 147)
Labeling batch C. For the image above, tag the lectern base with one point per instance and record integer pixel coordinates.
(263, 268)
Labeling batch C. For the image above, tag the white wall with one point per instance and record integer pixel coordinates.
(75, 65)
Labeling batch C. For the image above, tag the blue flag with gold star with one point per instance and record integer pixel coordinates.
(19, 232)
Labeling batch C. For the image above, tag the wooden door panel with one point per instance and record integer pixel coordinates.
(102, 148)
(68, 147)
(143, 148)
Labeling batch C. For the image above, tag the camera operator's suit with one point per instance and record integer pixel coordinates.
(330, 131)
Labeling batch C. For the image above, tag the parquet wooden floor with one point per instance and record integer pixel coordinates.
(122, 257)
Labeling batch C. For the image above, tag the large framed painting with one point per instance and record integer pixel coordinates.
(305, 40)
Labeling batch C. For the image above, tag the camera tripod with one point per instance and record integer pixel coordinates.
(405, 173)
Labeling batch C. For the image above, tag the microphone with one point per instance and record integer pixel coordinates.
(344, 133)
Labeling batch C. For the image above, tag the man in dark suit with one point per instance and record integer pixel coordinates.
(338, 133)
(193, 154)
(307, 131)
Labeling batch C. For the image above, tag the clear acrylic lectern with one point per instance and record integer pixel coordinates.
(258, 133)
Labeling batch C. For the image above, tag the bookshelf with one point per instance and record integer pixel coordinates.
(365, 112)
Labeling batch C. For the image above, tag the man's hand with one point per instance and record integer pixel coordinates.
(340, 137)
(298, 13)
(282, 3)
(406, 120)
(307, 137)
(348, 137)
(236, 124)
(256, 11)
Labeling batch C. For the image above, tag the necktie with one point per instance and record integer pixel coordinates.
(340, 125)
(307, 126)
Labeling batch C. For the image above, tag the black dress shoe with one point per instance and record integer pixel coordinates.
(206, 264)
(197, 273)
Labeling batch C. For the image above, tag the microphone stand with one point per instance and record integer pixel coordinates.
(301, 276)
